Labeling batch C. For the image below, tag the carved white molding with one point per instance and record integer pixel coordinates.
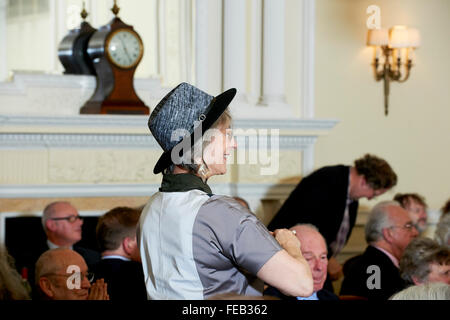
(76, 131)
(266, 191)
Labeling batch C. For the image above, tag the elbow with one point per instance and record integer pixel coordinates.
(303, 286)
(306, 288)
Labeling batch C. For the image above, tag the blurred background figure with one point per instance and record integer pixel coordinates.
(417, 208)
(12, 287)
(428, 291)
(388, 232)
(120, 266)
(314, 250)
(442, 232)
(423, 261)
(57, 277)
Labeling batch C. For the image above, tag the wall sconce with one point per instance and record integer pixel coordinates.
(397, 48)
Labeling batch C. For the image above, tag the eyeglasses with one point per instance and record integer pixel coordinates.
(71, 218)
(88, 275)
(407, 226)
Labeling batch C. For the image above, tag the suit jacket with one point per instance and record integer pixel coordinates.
(356, 276)
(319, 199)
(125, 279)
(323, 294)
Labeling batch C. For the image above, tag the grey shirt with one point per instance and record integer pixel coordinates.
(194, 245)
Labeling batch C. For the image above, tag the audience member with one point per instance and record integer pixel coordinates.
(63, 228)
(428, 291)
(417, 208)
(120, 266)
(328, 198)
(62, 274)
(442, 233)
(375, 274)
(314, 249)
(445, 211)
(11, 284)
(62, 225)
(424, 260)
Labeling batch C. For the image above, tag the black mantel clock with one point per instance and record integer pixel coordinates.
(115, 50)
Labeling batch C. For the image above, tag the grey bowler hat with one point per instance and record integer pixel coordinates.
(179, 109)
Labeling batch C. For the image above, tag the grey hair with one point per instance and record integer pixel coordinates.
(427, 291)
(49, 211)
(189, 160)
(416, 259)
(442, 233)
(378, 220)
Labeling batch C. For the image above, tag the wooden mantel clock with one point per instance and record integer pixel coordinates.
(116, 50)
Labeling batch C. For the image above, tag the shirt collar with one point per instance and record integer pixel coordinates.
(393, 259)
(311, 297)
(51, 245)
(116, 257)
(183, 182)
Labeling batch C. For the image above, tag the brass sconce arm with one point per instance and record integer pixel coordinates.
(395, 63)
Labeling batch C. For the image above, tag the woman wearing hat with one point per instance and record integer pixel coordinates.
(194, 244)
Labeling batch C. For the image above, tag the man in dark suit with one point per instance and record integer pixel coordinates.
(328, 198)
(314, 250)
(120, 265)
(63, 229)
(375, 274)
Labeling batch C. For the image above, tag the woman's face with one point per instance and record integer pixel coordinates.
(219, 149)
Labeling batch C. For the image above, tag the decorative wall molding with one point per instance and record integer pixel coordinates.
(266, 191)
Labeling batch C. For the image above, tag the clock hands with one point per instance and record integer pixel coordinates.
(125, 49)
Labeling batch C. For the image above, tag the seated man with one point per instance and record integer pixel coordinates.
(423, 261)
(62, 274)
(314, 250)
(63, 228)
(375, 274)
(121, 263)
(417, 208)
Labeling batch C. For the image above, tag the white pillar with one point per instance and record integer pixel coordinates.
(162, 39)
(208, 46)
(254, 95)
(235, 46)
(308, 36)
(3, 41)
(186, 35)
(273, 52)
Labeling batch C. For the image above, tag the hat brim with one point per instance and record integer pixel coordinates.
(213, 112)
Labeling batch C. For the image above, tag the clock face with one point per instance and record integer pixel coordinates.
(124, 48)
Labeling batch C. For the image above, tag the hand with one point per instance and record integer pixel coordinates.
(334, 269)
(288, 240)
(98, 291)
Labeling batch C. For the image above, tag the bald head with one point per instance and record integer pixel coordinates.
(314, 250)
(57, 261)
(54, 272)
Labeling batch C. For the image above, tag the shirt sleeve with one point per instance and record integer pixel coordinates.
(237, 233)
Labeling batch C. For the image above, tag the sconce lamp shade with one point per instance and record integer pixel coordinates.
(377, 37)
(398, 37)
(414, 37)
